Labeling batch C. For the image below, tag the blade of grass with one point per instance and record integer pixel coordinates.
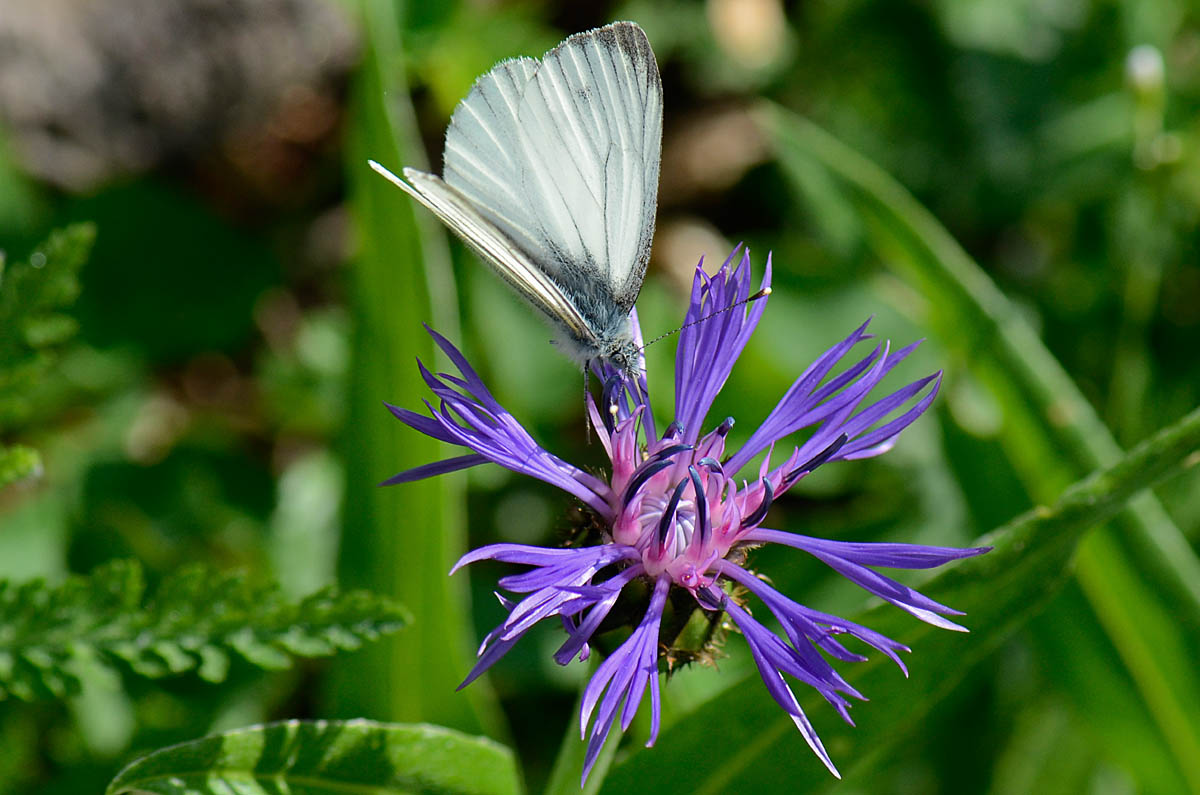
(759, 746)
(399, 541)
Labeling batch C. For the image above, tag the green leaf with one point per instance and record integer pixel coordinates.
(1051, 433)
(335, 757)
(400, 541)
(193, 620)
(758, 746)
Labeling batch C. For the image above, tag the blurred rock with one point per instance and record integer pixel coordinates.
(708, 152)
(90, 91)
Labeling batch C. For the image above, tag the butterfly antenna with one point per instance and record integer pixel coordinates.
(763, 293)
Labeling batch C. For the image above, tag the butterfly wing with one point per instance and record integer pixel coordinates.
(562, 157)
(485, 152)
(492, 245)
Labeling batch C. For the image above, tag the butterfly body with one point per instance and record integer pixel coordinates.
(551, 176)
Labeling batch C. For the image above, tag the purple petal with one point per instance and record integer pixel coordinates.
(801, 630)
(907, 599)
(818, 627)
(474, 419)
(436, 468)
(476, 385)
(776, 685)
(624, 674)
(832, 406)
(714, 334)
(793, 662)
(881, 408)
(551, 586)
(419, 422)
(543, 556)
(837, 625)
(606, 596)
(894, 556)
(798, 396)
(487, 658)
(879, 440)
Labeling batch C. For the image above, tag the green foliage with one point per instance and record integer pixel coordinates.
(1062, 436)
(331, 757)
(1051, 433)
(193, 620)
(400, 541)
(32, 294)
(32, 326)
(168, 277)
(997, 177)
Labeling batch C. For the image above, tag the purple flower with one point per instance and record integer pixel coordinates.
(675, 518)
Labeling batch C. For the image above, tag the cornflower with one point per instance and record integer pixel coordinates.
(673, 517)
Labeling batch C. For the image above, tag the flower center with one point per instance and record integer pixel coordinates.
(679, 529)
(669, 501)
(670, 525)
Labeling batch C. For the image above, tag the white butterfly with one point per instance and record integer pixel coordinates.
(551, 176)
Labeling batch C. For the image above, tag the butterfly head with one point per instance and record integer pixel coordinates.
(624, 354)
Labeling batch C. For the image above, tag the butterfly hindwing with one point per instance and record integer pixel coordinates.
(492, 245)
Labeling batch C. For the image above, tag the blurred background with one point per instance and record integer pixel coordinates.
(254, 295)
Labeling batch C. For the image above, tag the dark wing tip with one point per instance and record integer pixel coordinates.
(627, 37)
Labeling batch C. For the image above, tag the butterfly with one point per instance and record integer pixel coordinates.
(550, 175)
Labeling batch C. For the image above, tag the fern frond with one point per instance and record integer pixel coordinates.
(193, 621)
(32, 293)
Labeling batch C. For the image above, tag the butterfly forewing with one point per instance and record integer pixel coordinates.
(563, 158)
(592, 117)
